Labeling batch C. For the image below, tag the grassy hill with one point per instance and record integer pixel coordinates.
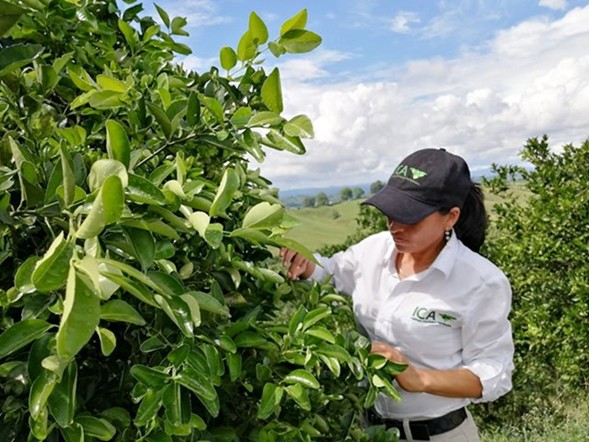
(326, 225)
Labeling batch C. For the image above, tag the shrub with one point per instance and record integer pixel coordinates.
(540, 241)
(138, 295)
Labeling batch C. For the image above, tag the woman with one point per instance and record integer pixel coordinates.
(426, 298)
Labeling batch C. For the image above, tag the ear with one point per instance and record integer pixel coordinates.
(452, 217)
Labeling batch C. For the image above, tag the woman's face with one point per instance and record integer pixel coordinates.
(425, 235)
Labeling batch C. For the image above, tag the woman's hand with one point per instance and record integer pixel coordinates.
(449, 383)
(298, 266)
(410, 379)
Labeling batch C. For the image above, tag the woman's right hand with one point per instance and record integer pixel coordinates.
(298, 266)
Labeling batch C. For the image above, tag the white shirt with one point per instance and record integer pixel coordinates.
(452, 315)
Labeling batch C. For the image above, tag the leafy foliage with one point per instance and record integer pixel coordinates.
(542, 245)
(138, 295)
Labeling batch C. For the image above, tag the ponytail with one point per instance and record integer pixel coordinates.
(471, 227)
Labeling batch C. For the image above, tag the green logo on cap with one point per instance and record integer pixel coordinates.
(408, 173)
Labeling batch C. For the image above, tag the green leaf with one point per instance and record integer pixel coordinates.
(299, 126)
(51, 271)
(215, 107)
(271, 398)
(118, 310)
(108, 83)
(176, 26)
(209, 303)
(321, 333)
(10, 15)
(152, 377)
(96, 427)
(249, 339)
(246, 48)
(142, 190)
(21, 334)
(276, 49)
(117, 143)
(39, 393)
(300, 395)
(150, 404)
(106, 209)
(234, 365)
(193, 109)
(73, 433)
(285, 142)
(303, 377)
(201, 386)
(227, 188)
(16, 56)
(103, 169)
(161, 118)
(335, 351)
(296, 321)
(265, 119)
(257, 29)
(272, 92)
(143, 246)
(69, 180)
(315, 316)
(164, 15)
(298, 21)
(81, 314)
(129, 33)
(299, 41)
(332, 363)
(179, 312)
(263, 216)
(62, 402)
(22, 278)
(228, 58)
(108, 340)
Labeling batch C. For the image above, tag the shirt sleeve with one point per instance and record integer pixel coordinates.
(487, 339)
(341, 267)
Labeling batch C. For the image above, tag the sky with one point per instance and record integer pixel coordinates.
(476, 77)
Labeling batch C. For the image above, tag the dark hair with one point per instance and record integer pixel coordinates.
(471, 227)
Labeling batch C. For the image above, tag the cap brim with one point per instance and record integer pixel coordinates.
(399, 206)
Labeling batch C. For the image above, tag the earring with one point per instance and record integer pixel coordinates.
(447, 235)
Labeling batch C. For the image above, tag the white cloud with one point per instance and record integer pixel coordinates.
(403, 20)
(554, 4)
(530, 79)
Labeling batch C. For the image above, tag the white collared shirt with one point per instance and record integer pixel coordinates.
(452, 315)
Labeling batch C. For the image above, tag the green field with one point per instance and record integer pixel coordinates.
(326, 225)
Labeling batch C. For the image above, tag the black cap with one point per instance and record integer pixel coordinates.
(426, 181)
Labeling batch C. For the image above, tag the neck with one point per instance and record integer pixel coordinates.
(410, 263)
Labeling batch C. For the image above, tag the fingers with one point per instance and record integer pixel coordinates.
(388, 351)
(297, 265)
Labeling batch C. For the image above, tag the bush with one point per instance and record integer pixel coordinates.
(540, 241)
(138, 296)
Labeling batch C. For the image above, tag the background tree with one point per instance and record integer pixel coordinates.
(357, 192)
(309, 201)
(376, 186)
(346, 194)
(540, 238)
(321, 199)
(138, 299)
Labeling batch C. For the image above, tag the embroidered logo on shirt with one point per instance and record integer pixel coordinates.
(422, 314)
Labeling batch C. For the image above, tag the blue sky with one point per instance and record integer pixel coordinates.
(478, 77)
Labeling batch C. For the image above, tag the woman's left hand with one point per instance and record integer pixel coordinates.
(410, 379)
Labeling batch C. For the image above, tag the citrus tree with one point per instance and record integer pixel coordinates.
(139, 293)
(540, 238)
